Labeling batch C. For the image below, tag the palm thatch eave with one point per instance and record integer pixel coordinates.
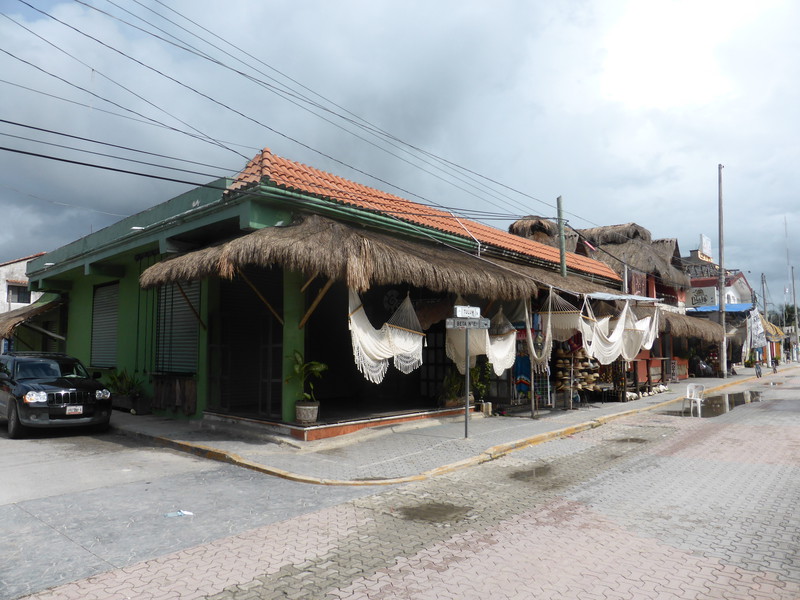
(360, 257)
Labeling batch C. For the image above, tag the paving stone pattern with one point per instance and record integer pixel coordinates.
(652, 506)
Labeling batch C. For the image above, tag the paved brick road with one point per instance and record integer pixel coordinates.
(651, 506)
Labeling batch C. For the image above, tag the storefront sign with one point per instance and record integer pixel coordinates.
(467, 312)
(705, 296)
(468, 323)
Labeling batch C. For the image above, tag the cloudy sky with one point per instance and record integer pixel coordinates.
(623, 108)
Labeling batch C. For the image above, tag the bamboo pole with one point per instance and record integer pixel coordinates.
(314, 304)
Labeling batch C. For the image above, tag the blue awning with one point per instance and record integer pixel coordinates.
(743, 307)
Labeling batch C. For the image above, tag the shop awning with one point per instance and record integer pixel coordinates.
(774, 333)
(361, 258)
(11, 320)
(742, 307)
(610, 296)
(684, 326)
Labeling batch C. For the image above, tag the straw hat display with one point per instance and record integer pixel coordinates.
(584, 371)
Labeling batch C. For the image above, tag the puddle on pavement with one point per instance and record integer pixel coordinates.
(714, 406)
(542, 476)
(532, 474)
(630, 440)
(434, 512)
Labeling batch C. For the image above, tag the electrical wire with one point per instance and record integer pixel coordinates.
(372, 128)
(183, 45)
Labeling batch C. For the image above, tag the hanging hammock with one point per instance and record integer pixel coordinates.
(498, 343)
(562, 318)
(401, 338)
(539, 360)
(502, 350)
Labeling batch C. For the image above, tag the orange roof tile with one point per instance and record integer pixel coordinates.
(299, 177)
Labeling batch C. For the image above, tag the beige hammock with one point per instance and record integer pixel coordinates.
(498, 343)
(401, 339)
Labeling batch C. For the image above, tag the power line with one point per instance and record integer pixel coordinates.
(183, 45)
(121, 147)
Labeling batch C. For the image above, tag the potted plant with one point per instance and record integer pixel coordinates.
(451, 394)
(307, 406)
(126, 392)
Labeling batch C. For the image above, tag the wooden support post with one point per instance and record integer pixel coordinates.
(314, 304)
(191, 306)
(260, 295)
(308, 283)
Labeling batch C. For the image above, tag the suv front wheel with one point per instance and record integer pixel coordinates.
(15, 429)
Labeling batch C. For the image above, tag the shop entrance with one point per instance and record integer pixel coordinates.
(245, 360)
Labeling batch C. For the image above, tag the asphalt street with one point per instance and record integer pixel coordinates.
(649, 505)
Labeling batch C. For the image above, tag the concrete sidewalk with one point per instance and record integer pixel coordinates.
(406, 452)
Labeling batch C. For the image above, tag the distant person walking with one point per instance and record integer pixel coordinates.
(758, 368)
(775, 365)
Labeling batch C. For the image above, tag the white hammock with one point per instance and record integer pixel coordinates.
(499, 346)
(625, 336)
(401, 338)
(539, 360)
(565, 320)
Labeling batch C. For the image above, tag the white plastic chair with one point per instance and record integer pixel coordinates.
(694, 396)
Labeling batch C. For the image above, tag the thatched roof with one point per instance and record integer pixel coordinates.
(11, 320)
(544, 231)
(361, 258)
(632, 244)
(684, 326)
(616, 234)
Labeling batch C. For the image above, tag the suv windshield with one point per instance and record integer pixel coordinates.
(45, 368)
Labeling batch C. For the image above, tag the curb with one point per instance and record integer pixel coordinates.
(490, 454)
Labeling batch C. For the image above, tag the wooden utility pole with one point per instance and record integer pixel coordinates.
(723, 349)
(562, 242)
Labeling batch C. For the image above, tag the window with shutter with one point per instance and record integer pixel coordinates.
(177, 328)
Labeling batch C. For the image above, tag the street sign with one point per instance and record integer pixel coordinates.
(467, 312)
(481, 323)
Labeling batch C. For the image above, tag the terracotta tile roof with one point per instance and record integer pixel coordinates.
(298, 177)
(24, 258)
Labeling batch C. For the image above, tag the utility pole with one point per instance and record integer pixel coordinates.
(723, 350)
(794, 301)
(562, 242)
(766, 315)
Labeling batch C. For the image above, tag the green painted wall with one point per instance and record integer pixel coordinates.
(135, 327)
(293, 339)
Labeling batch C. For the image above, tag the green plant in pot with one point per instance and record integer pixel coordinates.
(307, 406)
(126, 392)
(479, 377)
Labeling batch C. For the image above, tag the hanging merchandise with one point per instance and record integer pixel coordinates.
(498, 343)
(502, 349)
(541, 347)
(607, 347)
(562, 318)
(401, 338)
(522, 373)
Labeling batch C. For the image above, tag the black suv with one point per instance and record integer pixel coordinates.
(50, 390)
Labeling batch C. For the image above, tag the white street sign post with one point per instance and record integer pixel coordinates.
(462, 321)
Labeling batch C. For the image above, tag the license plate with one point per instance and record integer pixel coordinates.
(74, 410)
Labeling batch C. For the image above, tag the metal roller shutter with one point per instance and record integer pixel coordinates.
(104, 325)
